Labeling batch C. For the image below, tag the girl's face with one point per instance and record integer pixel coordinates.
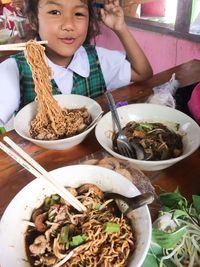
(64, 24)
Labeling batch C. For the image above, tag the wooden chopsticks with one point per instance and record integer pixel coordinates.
(39, 172)
(18, 46)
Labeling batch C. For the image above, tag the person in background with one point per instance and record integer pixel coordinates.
(18, 6)
(6, 10)
(77, 66)
(13, 5)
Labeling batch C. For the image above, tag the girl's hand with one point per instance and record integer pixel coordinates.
(112, 15)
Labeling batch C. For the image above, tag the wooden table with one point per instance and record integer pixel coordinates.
(184, 174)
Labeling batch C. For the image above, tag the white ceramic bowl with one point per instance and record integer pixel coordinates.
(25, 115)
(150, 113)
(13, 227)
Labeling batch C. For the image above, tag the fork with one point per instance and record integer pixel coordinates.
(123, 144)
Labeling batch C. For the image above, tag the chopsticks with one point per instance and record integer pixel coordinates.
(18, 46)
(39, 172)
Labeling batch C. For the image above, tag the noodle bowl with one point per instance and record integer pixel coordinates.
(12, 241)
(51, 121)
(23, 118)
(99, 237)
(141, 113)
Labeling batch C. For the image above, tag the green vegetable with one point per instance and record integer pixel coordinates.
(144, 125)
(176, 240)
(167, 240)
(64, 235)
(55, 197)
(110, 227)
(97, 206)
(2, 130)
(50, 201)
(196, 202)
(78, 240)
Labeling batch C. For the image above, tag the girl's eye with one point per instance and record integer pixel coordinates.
(79, 14)
(54, 12)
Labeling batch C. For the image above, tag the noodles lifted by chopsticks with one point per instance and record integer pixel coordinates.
(51, 121)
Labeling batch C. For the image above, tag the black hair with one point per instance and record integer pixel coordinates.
(31, 11)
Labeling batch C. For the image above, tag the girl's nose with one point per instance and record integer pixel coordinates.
(67, 24)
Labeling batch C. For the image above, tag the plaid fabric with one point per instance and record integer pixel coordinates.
(26, 81)
(92, 86)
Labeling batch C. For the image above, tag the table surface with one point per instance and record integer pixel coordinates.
(184, 175)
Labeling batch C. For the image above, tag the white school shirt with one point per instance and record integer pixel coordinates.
(115, 68)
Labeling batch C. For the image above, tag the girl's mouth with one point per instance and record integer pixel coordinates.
(68, 40)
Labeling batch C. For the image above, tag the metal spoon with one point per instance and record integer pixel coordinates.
(132, 202)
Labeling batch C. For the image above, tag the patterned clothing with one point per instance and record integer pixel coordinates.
(92, 86)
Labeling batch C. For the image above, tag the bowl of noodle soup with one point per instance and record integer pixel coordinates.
(31, 197)
(147, 115)
(24, 122)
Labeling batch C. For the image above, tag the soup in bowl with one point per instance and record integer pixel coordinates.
(32, 196)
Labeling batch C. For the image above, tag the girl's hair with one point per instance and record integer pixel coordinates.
(31, 11)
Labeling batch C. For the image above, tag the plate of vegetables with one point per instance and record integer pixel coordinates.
(176, 233)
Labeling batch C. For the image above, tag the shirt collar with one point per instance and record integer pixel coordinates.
(79, 64)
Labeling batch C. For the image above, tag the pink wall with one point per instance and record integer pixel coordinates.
(163, 51)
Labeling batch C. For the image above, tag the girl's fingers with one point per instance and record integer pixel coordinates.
(111, 2)
(113, 9)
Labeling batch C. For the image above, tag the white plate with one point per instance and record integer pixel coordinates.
(12, 227)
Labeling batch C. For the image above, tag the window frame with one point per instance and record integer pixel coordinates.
(181, 27)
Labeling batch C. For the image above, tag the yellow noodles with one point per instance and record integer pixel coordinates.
(56, 224)
(104, 249)
(51, 121)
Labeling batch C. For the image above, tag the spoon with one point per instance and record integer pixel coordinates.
(132, 202)
(94, 121)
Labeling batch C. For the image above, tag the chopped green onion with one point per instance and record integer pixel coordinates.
(55, 197)
(50, 201)
(144, 125)
(51, 217)
(110, 227)
(78, 240)
(64, 235)
(47, 202)
(97, 206)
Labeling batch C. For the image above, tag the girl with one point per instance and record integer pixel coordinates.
(77, 66)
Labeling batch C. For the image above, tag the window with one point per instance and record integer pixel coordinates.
(180, 18)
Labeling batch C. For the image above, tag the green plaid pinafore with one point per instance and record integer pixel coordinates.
(92, 86)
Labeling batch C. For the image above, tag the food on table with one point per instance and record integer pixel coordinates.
(157, 139)
(60, 235)
(74, 122)
(51, 121)
(176, 232)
